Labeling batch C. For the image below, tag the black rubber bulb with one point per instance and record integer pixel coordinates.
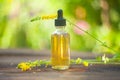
(60, 14)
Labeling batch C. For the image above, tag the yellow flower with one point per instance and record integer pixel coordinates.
(23, 66)
(46, 17)
(78, 61)
(85, 63)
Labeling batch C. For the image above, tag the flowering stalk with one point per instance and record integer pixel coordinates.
(44, 17)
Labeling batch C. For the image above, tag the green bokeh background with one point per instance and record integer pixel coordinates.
(100, 18)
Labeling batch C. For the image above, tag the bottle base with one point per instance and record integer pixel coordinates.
(60, 67)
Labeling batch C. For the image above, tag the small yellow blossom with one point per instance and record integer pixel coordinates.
(23, 66)
(105, 59)
(78, 61)
(85, 63)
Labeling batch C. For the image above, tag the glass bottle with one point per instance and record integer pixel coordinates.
(60, 44)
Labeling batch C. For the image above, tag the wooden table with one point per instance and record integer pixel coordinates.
(11, 57)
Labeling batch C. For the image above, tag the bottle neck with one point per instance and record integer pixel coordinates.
(60, 28)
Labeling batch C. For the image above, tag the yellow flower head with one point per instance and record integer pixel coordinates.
(78, 61)
(85, 63)
(24, 66)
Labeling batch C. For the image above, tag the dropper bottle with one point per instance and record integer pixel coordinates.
(60, 44)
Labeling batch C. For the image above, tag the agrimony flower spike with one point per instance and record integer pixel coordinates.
(44, 17)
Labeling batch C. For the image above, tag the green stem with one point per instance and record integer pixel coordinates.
(93, 37)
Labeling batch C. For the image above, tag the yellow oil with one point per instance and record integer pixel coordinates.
(60, 44)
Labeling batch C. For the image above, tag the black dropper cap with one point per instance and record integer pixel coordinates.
(60, 21)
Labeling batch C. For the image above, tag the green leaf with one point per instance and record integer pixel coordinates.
(99, 58)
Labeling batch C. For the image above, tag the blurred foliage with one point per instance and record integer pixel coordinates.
(101, 18)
